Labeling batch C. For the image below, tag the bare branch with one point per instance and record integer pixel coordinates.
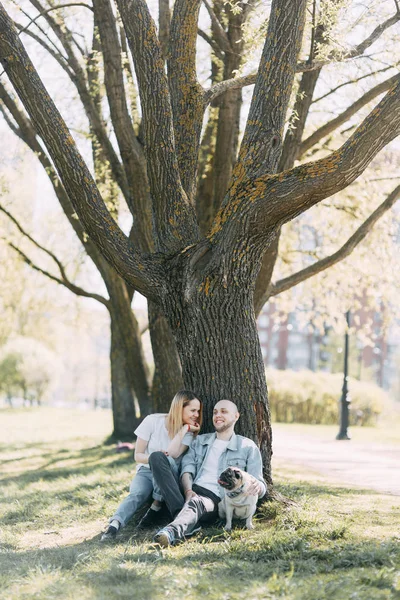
(48, 10)
(79, 80)
(64, 279)
(73, 172)
(375, 35)
(34, 242)
(186, 93)
(338, 87)
(219, 33)
(25, 131)
(78, 291)
(217, 51)
(240, 82)
(131, 151)
(347, 114)
(288, 282)
(62, 61)
(174, 216)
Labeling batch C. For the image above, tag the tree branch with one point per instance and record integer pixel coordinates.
(301, 67)
(131, 151)
(26, 133)
(262, 140)
(79, 80)
(341, 85)
(48, 10)
(174, 216)
(78, 291)
(62, 61)
(64, 279)
(288, 282)
(357, 50)
(186, 93)
(73, 172)
(211, 43)
(164, 22)
(332, 125)
(219, 33)
(263, 204)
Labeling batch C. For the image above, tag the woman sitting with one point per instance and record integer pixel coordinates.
(171, 434)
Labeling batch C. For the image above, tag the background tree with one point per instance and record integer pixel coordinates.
(203, 279)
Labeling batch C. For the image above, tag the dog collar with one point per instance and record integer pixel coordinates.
(236, 492)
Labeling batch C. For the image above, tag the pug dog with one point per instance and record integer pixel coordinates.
(235, 502)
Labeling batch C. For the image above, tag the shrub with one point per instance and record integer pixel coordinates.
(308, 397)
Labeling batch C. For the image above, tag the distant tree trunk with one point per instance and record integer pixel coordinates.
(125, 419)
(131, 371)
(167, 378)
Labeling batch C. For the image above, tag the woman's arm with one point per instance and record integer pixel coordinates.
(176, 448)
(140, 451)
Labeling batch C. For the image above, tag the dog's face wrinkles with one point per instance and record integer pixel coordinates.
(231, 478)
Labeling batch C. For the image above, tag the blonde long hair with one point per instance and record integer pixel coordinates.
(174, 417)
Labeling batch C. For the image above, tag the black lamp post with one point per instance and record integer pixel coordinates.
(345, 400)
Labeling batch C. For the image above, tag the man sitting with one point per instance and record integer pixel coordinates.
(209, 455)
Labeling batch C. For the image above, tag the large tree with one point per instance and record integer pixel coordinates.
(206, 264)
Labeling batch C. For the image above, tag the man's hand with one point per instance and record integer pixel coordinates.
(254, 488)
(189, 494)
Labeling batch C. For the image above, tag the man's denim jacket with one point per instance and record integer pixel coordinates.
(241, 452)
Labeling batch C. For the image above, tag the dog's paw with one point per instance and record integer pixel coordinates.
(250, 526)
(228, 527)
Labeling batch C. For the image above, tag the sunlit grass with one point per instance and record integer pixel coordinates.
(57, 492)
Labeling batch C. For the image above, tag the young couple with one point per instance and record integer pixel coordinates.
(161, 442)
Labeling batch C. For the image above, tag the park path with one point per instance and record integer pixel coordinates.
(370, 465)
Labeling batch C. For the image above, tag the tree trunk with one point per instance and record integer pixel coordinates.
(129, 334)
(221, 358)
(125, 417)
(167, 378)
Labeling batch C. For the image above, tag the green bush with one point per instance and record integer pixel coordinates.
(308, 397)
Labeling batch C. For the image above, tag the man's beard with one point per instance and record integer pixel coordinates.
(220, 428)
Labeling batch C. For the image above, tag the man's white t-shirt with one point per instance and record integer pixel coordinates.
(209, 475)
(153, 430)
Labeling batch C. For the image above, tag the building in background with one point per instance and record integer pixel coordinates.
(286, 344)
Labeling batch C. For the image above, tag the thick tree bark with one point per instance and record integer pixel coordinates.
(216, 335)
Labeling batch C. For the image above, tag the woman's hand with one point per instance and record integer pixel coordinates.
(193, 427)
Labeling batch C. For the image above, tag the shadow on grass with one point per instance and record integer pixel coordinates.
(304, 488)
(131, 566)
(89, 459)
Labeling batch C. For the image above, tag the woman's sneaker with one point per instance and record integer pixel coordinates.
(154, 517)
(109, 534)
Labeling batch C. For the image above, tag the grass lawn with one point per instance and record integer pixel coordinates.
(59, 482)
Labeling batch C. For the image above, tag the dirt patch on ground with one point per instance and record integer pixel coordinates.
(369, 465)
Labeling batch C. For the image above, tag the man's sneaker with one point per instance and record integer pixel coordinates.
(165, 537)
(153, 517)
(109, 534)
(196, 529)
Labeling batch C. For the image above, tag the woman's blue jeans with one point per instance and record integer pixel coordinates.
(142, 488)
